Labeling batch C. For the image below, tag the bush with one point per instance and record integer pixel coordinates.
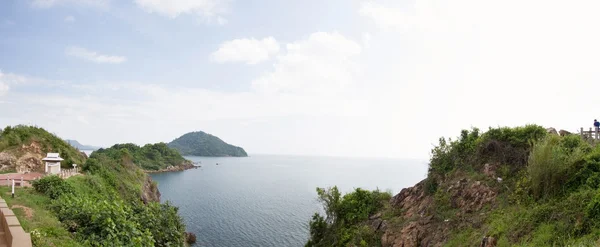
(341, 226)
(551, 164)
(163, 222)
(102, 223)
(53, 186)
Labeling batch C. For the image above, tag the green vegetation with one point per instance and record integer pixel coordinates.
(115, 203)
(13, 138)
(149, 157)
(549, 194)
(203, 144)
(105, 207)
(31, 209)
(344, 216)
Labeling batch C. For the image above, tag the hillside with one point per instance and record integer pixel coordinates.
(112, 203)
(23, 147)
(505, 187)
(150, 157)
(80, 146)
(203, 144)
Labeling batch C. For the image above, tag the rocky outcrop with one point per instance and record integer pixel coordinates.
(26, 158)
(182, 167)
(150, 191)
(564, 133)
(466, 198)
(552, 131)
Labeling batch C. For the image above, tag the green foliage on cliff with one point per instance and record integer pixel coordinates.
(549, 195)
(12, 138)
(148, 157)
(203, 144)
(115, 203)
(342, 225)
(111, 205)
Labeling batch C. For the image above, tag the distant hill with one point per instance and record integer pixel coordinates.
(203, 144)
(80, 146)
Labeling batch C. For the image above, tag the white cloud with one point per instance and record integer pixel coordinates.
(366, 40)
(321, 64)
(52, 3)
(207, 9)
(250, 51)
(93, 56)
(221, 21)
(69, 18)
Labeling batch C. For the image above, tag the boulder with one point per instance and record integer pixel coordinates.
(564, 133)
(552, 131)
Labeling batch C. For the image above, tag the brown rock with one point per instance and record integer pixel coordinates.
(488, 242)
(551, 131)
(421, 228)
(564, 133)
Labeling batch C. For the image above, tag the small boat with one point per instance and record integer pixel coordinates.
(217, 163)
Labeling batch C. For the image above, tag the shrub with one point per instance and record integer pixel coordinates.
(551, 165)
(102, 223)
(341, 225)
(53, 186)
(162, 221)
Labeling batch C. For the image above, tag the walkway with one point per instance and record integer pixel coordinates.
(27, 177)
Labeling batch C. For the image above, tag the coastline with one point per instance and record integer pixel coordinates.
(182, 167)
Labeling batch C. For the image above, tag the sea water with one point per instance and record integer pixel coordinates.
(267, 200)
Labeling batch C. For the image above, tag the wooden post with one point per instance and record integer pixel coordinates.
(13, 188)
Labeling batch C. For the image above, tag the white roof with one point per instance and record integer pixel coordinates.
(52, 157)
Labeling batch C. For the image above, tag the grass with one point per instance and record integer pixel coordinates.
(42, 220)
(12, 170)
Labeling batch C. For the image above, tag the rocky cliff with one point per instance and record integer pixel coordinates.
(425, 225)
(524, 186)
(26, 158)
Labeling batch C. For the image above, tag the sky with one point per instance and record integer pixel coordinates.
(352, 78)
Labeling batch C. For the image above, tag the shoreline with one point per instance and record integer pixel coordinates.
(175, 168)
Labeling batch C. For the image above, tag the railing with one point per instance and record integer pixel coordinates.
(65, 173)
(590, 134)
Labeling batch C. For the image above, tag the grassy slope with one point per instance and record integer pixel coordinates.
(42, 219)
(549, 195)
(111, 176)
(546, 199)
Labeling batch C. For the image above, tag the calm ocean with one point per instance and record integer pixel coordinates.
(268, 200)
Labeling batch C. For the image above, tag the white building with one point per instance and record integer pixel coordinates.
(52, 163)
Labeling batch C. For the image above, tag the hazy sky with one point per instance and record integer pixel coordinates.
(316, 77)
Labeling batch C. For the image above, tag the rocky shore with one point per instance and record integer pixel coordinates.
(182, 167)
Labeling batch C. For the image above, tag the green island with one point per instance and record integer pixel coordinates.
(202, 144)
(523, 186)
(112, 202)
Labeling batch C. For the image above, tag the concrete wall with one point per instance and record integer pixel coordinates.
(13, 232)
